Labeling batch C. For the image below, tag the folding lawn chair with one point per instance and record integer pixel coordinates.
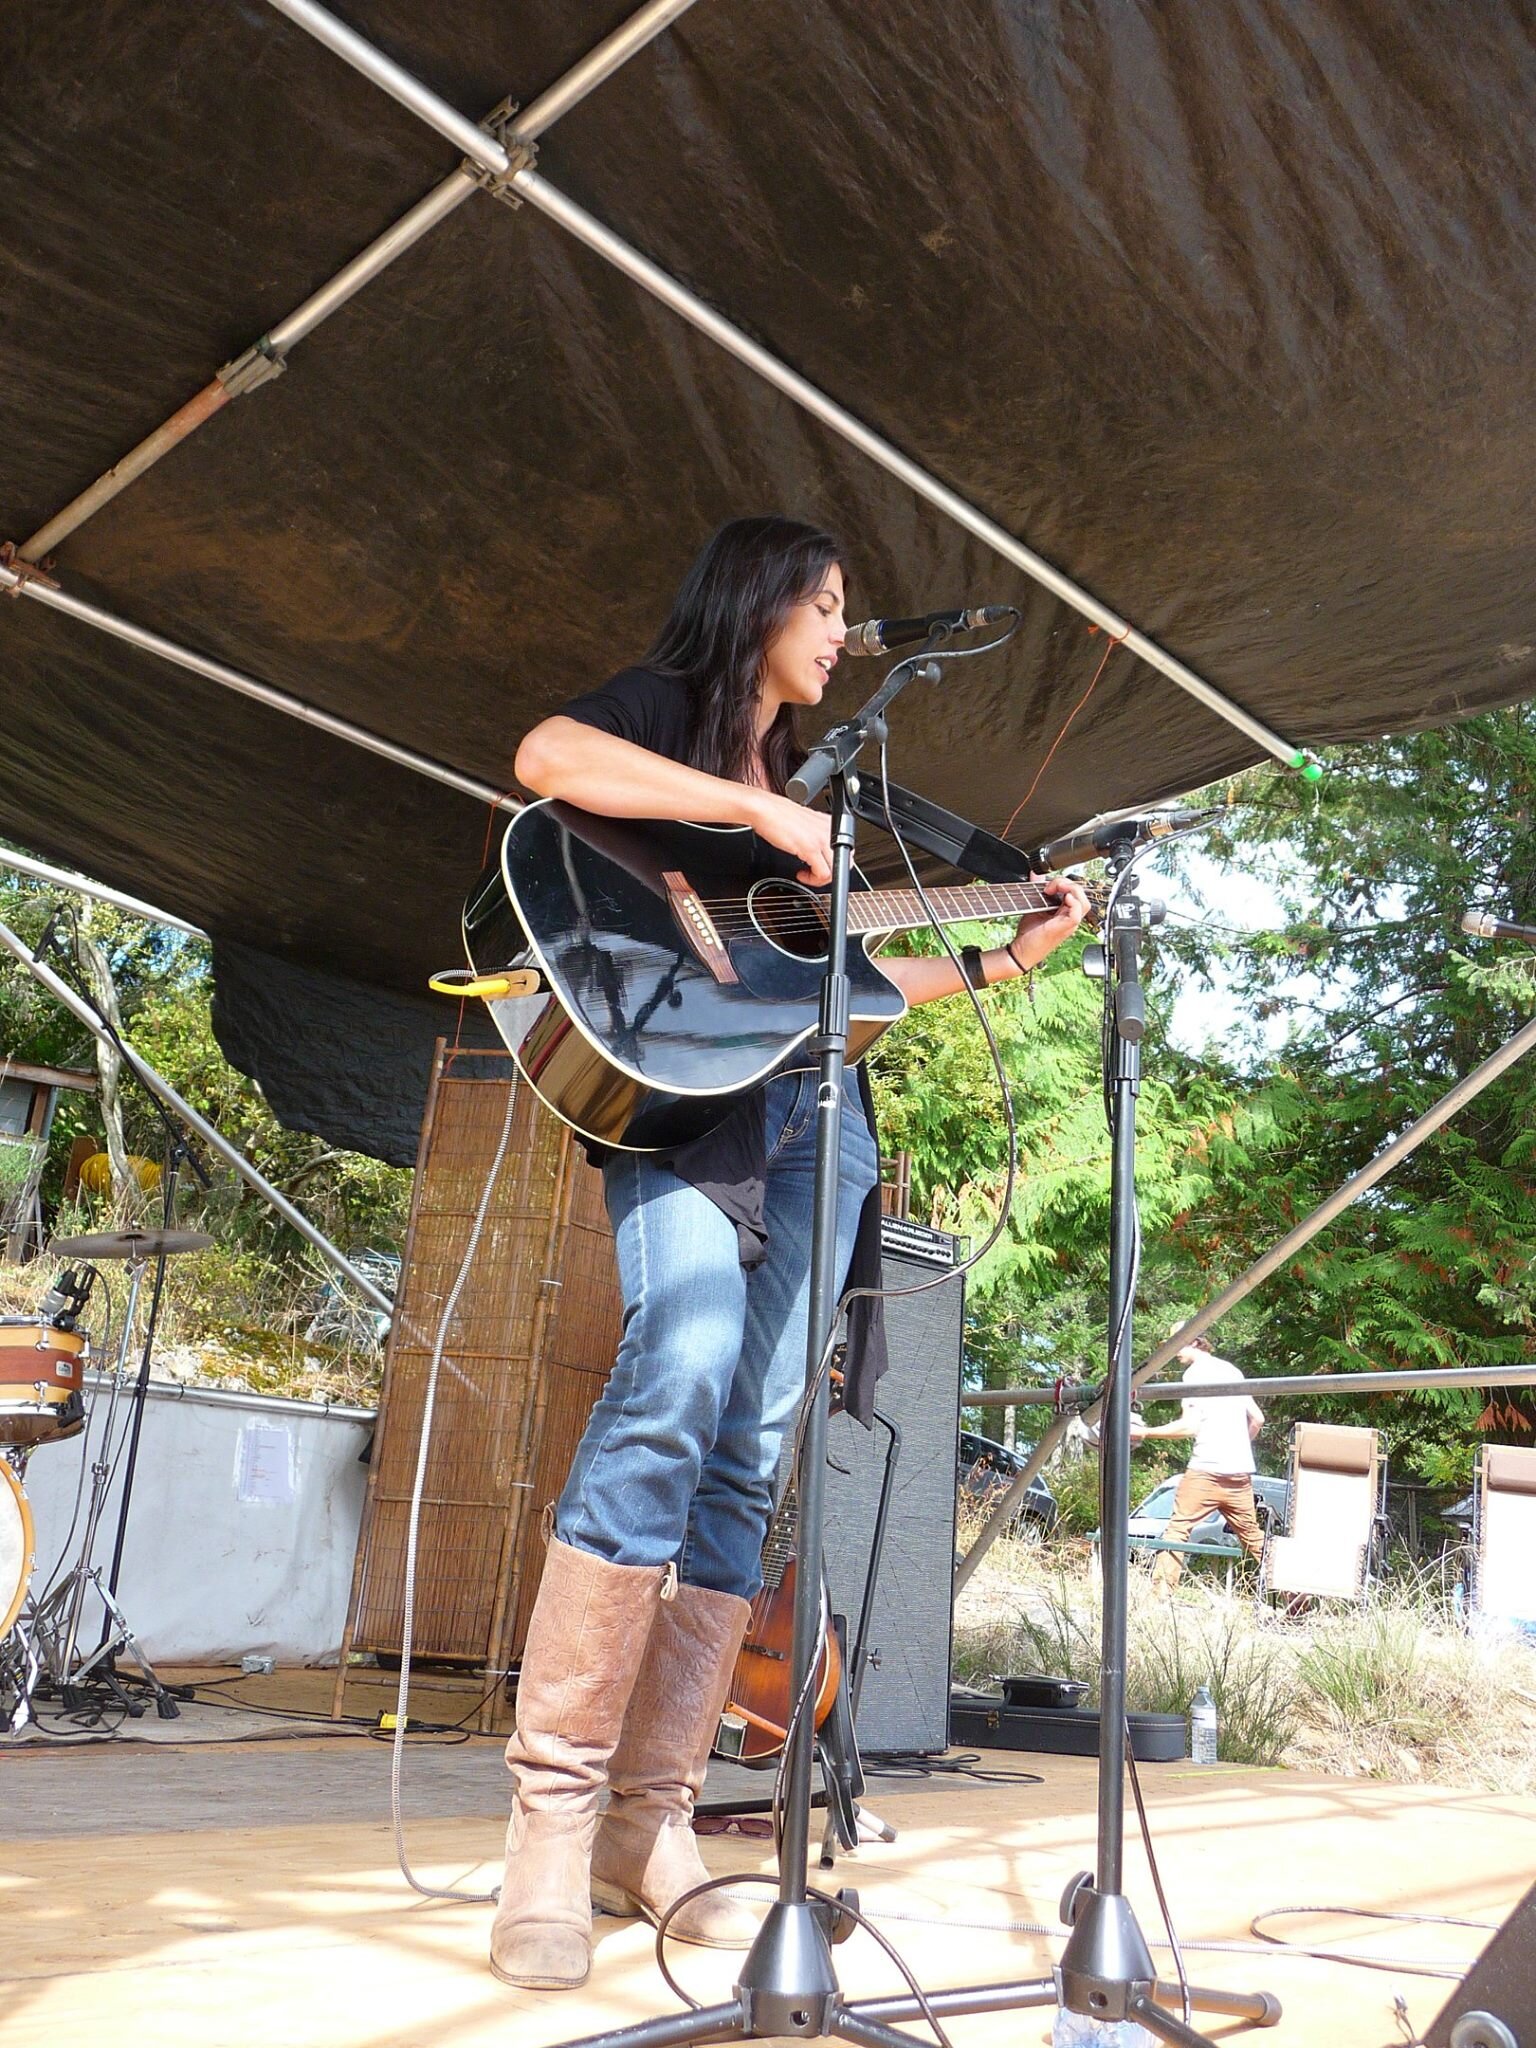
(1504, 1536)
(1336, 1521)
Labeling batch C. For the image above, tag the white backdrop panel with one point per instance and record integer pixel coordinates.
(242, 1529)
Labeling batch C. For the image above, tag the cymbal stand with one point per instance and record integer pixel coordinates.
(56, 1622)
(177, 1150)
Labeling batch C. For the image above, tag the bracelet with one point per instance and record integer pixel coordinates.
(1027, 972)
(971, 967)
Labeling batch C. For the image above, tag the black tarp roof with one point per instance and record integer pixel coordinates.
(1226, 310)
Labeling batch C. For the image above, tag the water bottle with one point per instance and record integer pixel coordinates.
(1202, 1728)
(1079, 2030)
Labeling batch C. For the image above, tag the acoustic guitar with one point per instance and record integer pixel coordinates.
(682, 967)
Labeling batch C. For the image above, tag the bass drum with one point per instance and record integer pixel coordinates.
(18, 1547)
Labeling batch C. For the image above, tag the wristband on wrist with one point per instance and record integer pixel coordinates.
(971, 967)
(1027, 972)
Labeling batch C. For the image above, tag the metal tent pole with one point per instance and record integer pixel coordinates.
(157, 1085)
(527, 184)
(1454, 1100)
(1283, 1386)
(64, 878)
(267, 357)
(247, 686)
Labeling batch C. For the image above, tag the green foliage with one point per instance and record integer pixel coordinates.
(1383, 1011)
(16, 1160)
(1038, 1299)
(252, 1295)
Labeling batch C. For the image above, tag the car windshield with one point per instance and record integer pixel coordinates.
(1160, 1500)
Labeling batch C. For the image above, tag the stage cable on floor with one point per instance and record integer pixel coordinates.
(1263, 1945)
(418, 1488)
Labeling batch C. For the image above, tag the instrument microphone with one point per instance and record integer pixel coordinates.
(880, 636)
(1102, 836)
(1482, 926)
(62, 1304)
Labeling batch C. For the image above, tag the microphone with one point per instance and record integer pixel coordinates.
(1482, 926)
(1101, 836)
(60, 1307)
(880, 636)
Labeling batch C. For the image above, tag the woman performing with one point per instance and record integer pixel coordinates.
(654, 1555)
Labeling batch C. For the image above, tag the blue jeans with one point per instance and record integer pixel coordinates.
(679, 1458)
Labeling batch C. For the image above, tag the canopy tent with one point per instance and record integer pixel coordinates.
(1224, 313)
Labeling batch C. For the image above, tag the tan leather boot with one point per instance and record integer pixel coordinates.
(645, 1855)
(586, 1639)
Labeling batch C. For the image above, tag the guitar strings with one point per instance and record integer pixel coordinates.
(1028, 898)
(733, 919)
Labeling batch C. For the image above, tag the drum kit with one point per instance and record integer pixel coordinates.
(43, 1362)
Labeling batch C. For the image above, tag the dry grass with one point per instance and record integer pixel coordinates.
(229, 1319)
(1397, 1690)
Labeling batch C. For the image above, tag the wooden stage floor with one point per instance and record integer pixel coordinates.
(245, 1893)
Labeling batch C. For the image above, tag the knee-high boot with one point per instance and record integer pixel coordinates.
(586, 1640)
(645, 1855)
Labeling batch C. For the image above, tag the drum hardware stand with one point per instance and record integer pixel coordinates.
(841, 1752)
(177, 1150)
(56, 1621)
(788, 1983)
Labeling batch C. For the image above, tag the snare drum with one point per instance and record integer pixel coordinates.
(42, 1381)
(18, 1558)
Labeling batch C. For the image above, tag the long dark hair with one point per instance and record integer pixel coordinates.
(741, 588)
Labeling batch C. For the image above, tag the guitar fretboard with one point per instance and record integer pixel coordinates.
(780, 1546)
(889, 910)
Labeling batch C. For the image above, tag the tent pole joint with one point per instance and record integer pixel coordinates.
(249, 371)
(23, 571)
(521, 154)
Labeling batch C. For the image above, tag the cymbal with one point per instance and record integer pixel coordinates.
(129, 1244)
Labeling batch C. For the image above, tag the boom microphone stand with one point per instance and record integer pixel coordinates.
(788, 1984)
(1106, 1969)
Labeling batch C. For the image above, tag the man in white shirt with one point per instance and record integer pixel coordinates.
(1220, 1470)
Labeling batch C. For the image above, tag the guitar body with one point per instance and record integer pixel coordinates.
(684, 970)
(760, 1685)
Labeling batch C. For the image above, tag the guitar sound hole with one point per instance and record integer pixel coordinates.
(790, 917)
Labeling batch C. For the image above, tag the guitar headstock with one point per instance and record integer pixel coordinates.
(1098, 902)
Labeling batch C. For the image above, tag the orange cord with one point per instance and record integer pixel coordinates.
(1119, 641)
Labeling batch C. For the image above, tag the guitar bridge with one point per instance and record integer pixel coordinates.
(699, 927)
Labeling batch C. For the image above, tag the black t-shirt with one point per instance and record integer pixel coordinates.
(641, 706)
(730, 1163)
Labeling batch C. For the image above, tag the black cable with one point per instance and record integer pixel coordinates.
(950, 1273)
(96, 1278)
(358, 1725)
(912, 1764)
(1157, 1876)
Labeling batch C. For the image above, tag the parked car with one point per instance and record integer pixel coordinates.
(1210, 1534)
(986, 1469)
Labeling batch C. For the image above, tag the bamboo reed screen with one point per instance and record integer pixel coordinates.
(527, 1349)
